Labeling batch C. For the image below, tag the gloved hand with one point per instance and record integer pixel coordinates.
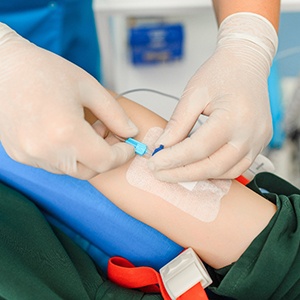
(231, 89)
(41, 112)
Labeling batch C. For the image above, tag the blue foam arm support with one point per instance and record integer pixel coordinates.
(77, 205)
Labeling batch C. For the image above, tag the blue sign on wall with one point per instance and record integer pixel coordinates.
(156, 43)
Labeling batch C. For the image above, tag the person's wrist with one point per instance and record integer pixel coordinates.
(252, 30)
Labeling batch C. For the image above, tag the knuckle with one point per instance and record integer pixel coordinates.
(30, 147)
(269, 131)
(15, 155)
(62, 133)
(67, 164)
(216, 168)
(174, 122)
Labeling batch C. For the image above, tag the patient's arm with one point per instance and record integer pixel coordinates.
(242, 216)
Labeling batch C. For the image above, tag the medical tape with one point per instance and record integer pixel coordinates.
(199, 199)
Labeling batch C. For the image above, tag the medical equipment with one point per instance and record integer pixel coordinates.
(200, 199)
(160, 147)
(185, 277)
(139, 148)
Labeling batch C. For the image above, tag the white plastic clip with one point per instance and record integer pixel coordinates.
(260, 164)
(183, 272)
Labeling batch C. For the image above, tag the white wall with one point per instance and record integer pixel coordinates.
(121, 75)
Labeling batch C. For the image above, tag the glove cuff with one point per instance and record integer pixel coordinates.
(250, 27)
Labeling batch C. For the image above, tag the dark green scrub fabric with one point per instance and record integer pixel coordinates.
(270, 267)
(40, 262)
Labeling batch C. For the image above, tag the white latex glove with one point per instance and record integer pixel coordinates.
(41, 112)
(231, 88)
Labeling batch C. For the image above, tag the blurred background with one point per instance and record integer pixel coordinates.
(159, 44)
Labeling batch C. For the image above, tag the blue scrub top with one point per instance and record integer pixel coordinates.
(65, 27)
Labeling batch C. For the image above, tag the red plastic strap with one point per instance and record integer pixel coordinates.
(125, 274)
(195, 293)
(243, 180)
